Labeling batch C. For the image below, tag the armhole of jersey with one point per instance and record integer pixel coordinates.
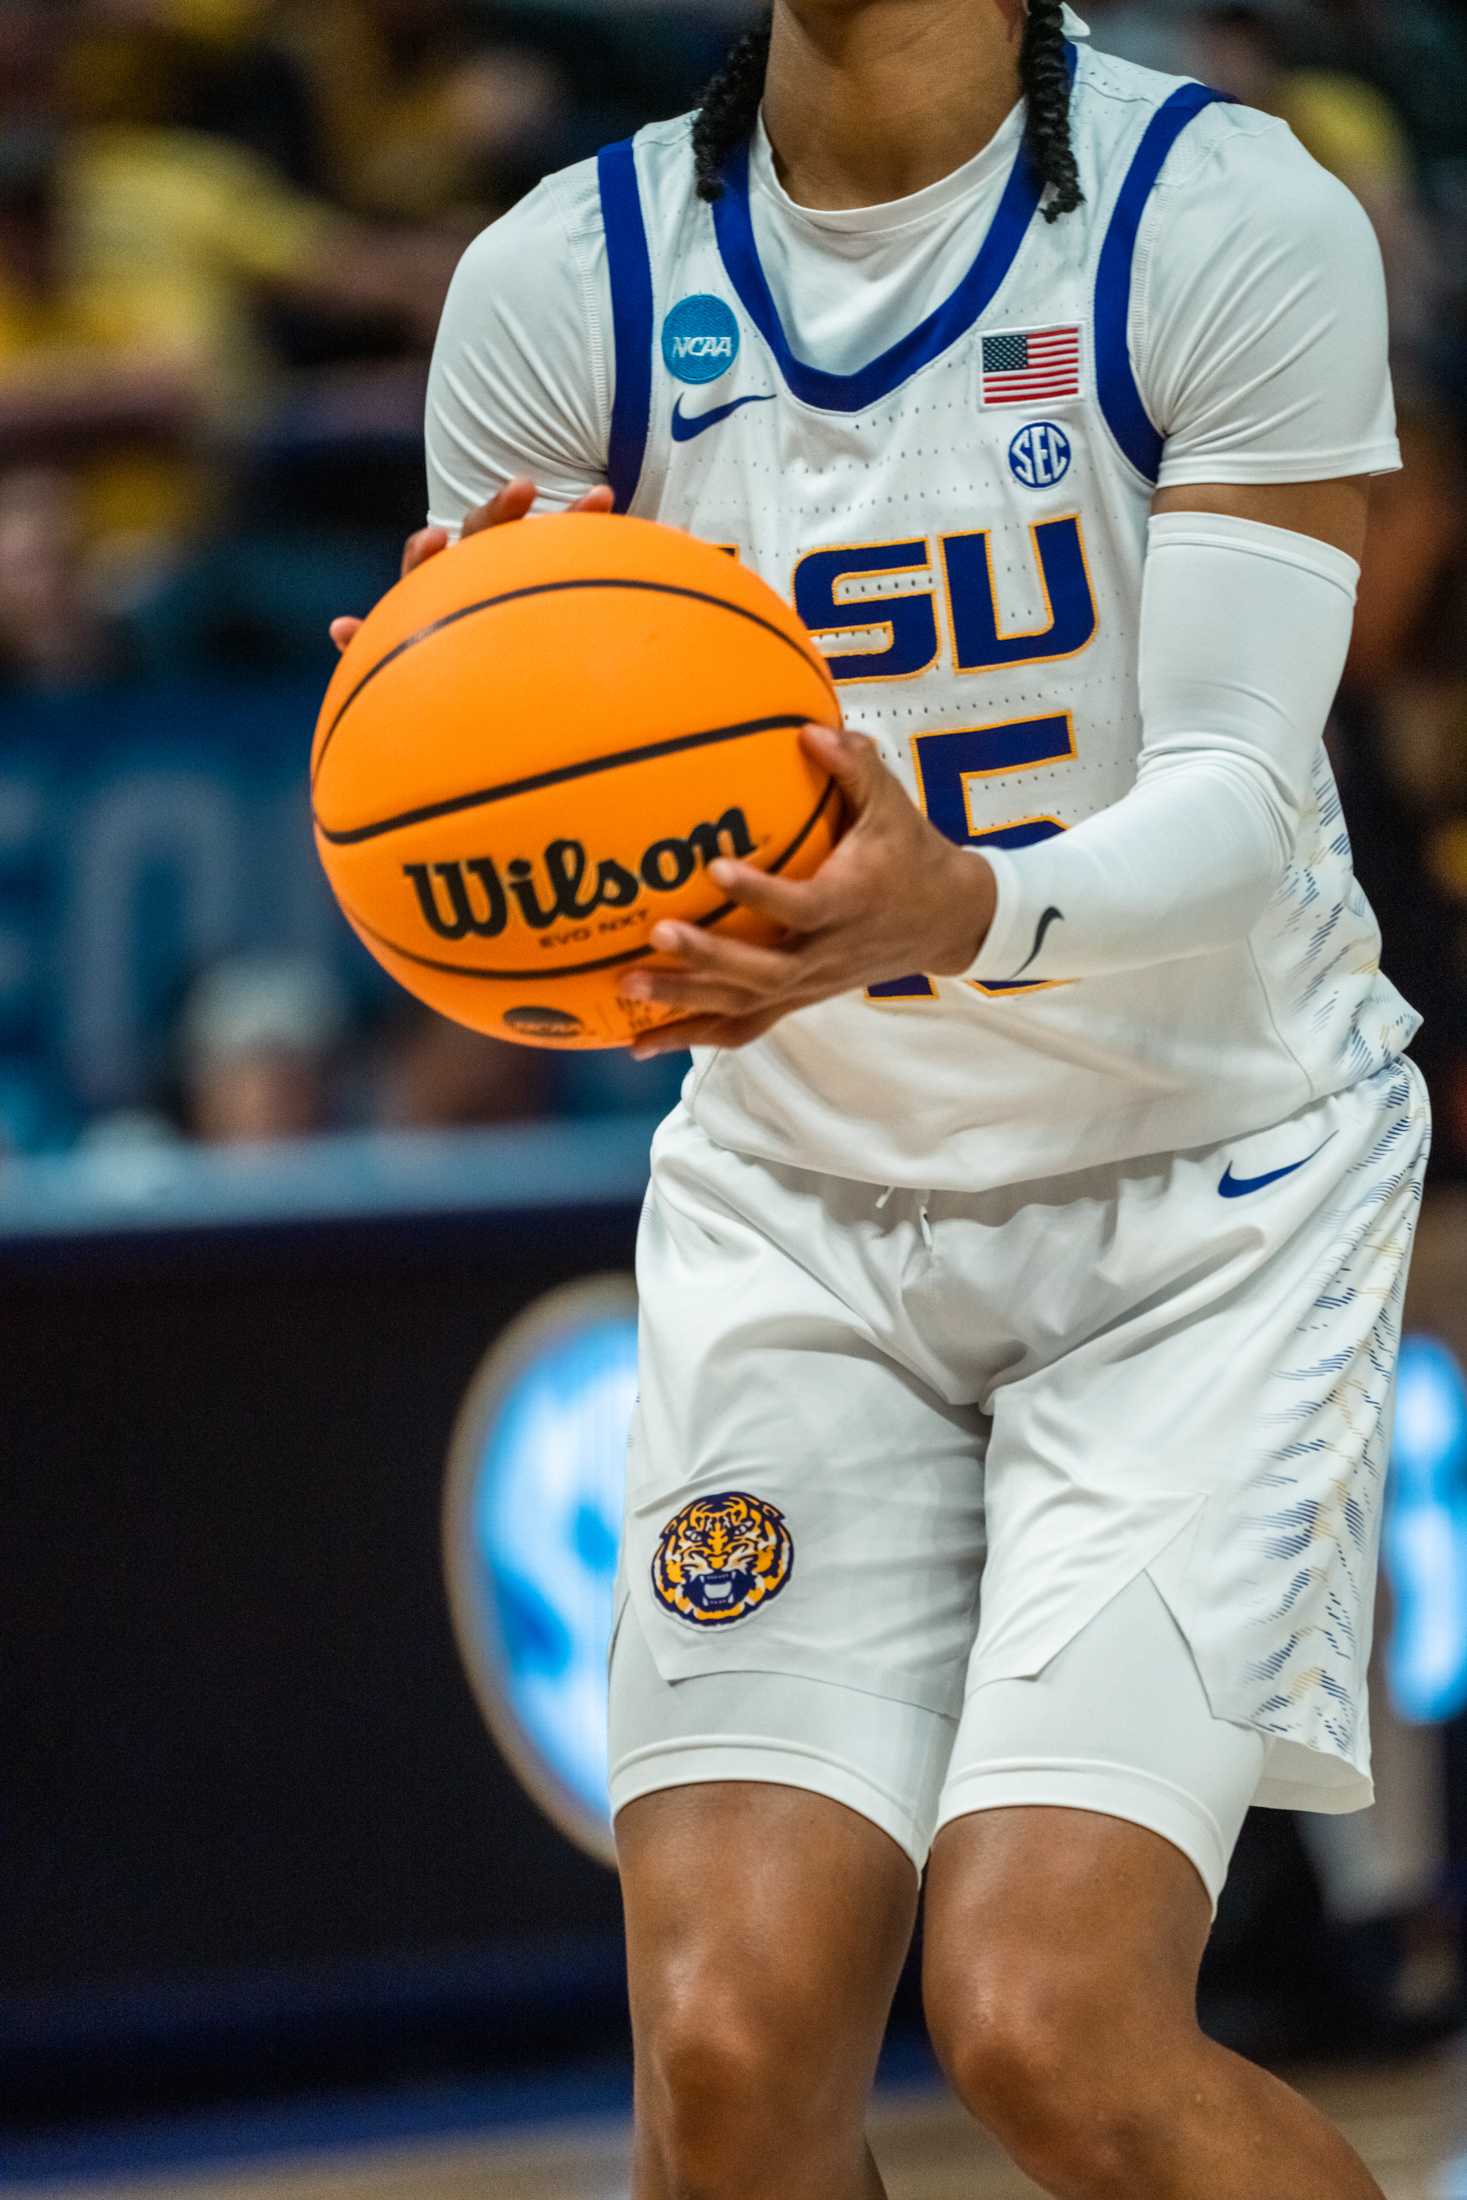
(629, 263)
(1136, 434)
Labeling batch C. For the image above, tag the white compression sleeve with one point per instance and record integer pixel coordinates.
(1244, 633)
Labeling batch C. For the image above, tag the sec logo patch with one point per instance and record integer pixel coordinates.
(721, 1559)
(1040, 455)
(700, 339)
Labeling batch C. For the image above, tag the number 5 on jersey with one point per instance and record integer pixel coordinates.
(947, 766)
(904, 623)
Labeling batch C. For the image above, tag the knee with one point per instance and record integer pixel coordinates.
(1060, 2080)
(710, 2071)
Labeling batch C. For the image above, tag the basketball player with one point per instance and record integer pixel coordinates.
(1021, 1274)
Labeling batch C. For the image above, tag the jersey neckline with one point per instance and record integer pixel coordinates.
(867, 386)
(890, 215)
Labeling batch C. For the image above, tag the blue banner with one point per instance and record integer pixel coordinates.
(145, 832)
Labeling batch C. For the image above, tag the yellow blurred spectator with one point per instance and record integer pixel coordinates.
(414, 118)
(132, 260)
(1349, 127)
(412, 112)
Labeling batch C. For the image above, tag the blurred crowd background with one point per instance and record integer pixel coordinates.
(261, 1840)
(226, 228)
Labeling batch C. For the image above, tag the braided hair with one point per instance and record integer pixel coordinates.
(731, 106)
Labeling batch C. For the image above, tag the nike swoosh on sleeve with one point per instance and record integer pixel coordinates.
(1051, 916)
(686, 426)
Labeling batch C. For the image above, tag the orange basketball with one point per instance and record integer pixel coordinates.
(534, 749)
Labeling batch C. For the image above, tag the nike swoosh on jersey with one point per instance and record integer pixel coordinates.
(685, 426)
(1051, 916)
(1238, 1187)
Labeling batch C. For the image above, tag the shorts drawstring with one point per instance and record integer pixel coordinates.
(923, 1218)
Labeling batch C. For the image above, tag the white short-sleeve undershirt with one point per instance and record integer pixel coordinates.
(1258, 319)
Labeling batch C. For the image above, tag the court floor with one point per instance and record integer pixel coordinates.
(1411, 2126)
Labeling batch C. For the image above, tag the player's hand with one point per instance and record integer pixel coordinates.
(514, 501)
(894, 897)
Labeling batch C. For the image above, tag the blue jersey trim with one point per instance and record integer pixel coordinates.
(629, 262)
(854, 393)
(1120, 400)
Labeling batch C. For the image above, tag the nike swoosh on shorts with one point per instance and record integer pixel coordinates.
(1238, 1187)
(686, 426)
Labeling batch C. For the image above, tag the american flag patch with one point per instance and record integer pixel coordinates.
(1031, 366)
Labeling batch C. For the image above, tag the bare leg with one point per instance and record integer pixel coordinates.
(1062, 1958)
(766, 1930)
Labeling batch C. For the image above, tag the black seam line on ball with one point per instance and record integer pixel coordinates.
(543, 974)
(550, 588)
(353, 836)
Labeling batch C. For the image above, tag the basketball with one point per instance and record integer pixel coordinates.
(534, 749)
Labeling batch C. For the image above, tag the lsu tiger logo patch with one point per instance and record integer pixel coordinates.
(721, 1558)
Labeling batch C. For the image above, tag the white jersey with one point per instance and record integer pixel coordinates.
(938, 427)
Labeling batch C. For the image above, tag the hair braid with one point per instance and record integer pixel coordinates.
(730, 107)
(1044, 72)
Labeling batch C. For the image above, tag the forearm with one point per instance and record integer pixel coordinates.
(1244, 633)
(1184, 866)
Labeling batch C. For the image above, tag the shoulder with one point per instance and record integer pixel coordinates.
(549, 220)
(1228, 160)
(565, 213)
(1250, 168)
(1259, 318)
(1109, 89)
(1244, 226)
(664, 153)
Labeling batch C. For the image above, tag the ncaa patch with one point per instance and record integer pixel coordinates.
(700, 339)
(721, 1558)
(1040, 455)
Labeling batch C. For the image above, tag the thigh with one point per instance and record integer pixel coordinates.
(1055, 1941)
(880, 1758)
(1116, 1727)
(766, 1931)
(1087, 1824)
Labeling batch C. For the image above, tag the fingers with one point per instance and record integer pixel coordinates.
(705, 1031)
(675, 1038)
(416, 551)
(734, 962)
(713, 976)
(796, 905)
(418, 548)
(694, 995)
(850, 759)
(514, 501)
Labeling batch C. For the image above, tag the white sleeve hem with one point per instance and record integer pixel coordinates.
(1000, 949)
(1258, 470)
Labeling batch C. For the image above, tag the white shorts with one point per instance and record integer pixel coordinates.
(909, 1446)
(1118, 1723)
